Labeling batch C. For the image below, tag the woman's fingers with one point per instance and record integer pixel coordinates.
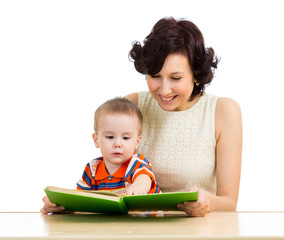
(199, 208)
(50, 207)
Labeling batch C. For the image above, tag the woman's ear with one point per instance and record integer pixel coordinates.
(96, 140)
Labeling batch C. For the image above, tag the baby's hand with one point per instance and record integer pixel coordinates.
(141, 185)
(136, 189)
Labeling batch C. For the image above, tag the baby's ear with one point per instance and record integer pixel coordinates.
(96, 140)
(138, 141)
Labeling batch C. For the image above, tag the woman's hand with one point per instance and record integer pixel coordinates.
(50, 207)
(199, 208)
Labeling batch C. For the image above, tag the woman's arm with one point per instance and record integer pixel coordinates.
(229, 134)
(228, 129)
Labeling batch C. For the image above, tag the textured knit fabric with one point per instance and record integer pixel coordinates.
(96, 177)
(180, 144)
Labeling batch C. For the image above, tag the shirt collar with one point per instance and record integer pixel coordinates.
(102, 173)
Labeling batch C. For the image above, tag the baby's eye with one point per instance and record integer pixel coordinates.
(109, 137)
(126, 138)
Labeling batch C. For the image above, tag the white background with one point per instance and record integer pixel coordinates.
(59, 60)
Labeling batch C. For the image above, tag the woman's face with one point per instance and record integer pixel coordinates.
(173, 85)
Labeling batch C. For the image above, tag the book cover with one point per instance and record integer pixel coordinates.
(108, 202)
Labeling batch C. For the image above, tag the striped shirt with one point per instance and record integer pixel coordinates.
(96, 177)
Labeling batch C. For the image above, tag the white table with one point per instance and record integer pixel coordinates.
(137, 225)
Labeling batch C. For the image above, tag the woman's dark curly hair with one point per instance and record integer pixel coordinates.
(175, 36)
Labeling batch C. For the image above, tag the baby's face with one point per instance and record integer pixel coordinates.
(117, 137)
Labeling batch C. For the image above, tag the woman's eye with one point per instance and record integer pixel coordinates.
(155, 76)
(176, 78)
(109, 137)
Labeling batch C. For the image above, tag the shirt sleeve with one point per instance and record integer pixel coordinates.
(140, 165)
(86, 181)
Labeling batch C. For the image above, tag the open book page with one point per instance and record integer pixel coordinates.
(109, 195)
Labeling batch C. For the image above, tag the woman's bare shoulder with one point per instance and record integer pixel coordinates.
(227, 115)
(133, 97)
(226, 106)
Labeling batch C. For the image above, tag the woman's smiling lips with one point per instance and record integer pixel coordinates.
(167, 99)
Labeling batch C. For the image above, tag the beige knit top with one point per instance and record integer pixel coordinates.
(180, 145)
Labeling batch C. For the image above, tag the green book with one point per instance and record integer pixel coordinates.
(109, 202)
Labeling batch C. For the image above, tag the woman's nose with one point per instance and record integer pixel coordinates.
(165, 87)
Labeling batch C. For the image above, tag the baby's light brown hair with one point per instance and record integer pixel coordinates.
(118, 105)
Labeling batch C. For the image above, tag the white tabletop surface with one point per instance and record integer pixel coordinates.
(137, 225)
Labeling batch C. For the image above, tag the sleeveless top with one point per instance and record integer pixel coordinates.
(181, 145)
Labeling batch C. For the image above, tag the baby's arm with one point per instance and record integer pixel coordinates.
(141, 185)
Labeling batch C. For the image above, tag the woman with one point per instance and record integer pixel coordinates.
(193, 139)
